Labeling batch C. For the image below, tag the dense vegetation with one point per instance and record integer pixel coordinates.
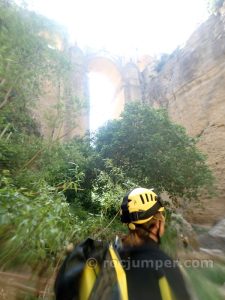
(153, 151)
(54, 192)
(51, 192)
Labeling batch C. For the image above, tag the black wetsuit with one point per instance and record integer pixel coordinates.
(144, 266)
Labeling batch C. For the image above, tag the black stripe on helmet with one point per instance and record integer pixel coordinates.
(127, 217)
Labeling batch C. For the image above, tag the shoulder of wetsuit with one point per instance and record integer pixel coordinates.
(151, 259)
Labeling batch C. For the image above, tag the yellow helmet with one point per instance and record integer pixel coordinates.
(140, 205)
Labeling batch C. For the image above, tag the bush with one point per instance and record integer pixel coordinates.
(154, 152)
(109, 189)
(34, 226)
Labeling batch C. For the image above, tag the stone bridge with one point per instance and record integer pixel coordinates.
(124, 75)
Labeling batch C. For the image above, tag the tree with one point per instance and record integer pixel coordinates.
(28, 54)
(154, 152)
(29, 61)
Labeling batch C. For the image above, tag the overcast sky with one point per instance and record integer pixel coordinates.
(123, 27)
(127, 27)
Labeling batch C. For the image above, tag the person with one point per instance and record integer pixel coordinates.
(151, 271)
(133, 267)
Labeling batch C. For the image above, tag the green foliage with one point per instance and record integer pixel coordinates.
(109, 189)
(30, 63)
(18, 119)
(34, 226)
(154, 152)
(68, 166)
(17, 150)
(36, 220)
(208, 282)
(216, 274)
(46, 196)
(170, 239)
(55, 192)
(28, 55)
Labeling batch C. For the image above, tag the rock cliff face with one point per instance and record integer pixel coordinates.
(191, 85)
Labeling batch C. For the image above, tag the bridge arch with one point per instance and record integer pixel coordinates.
(112, 71)
(124, 76)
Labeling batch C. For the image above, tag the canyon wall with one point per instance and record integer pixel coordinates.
(191, 86)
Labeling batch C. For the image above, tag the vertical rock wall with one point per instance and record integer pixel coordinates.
(191, 85)
(77, 96)
(63, 110)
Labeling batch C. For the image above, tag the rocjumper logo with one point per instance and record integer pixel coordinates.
(157, 264)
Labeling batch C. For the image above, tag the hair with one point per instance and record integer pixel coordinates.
(140, 235)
